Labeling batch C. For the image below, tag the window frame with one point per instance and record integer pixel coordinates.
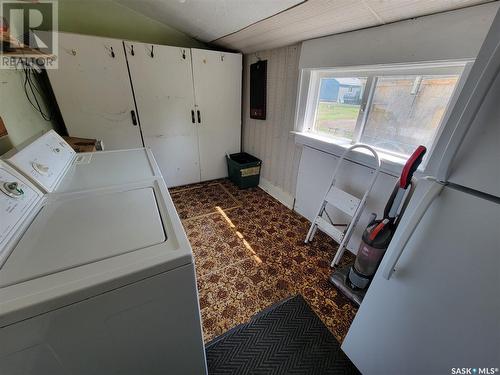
(308, 96)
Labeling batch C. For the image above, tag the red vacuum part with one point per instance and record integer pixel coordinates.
(411, 166)
(377, 229)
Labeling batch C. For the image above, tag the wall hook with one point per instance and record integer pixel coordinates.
(132, 50)
(152, 53)
(112, 52)
(222, 58)
(184, 54)
(73, 52)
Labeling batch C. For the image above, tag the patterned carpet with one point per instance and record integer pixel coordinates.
(250, 253)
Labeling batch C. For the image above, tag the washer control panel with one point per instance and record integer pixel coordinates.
(12, 189)
(45, 160)
(17, 198)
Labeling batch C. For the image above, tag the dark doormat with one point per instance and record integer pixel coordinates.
(286, 338)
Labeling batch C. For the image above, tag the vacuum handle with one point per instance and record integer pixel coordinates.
(411, 166)
(405, 233)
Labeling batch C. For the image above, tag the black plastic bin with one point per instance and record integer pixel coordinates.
(243, 169)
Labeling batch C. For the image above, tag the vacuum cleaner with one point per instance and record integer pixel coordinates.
(355, 279)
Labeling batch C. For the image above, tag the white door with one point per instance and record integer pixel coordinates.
(217, 84)
(163, 87)
(440, 309)
(92, 89)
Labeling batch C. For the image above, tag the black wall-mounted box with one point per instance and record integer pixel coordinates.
(258, 90)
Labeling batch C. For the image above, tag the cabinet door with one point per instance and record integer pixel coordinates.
(93, 90)
(163, 86)
(217, 85)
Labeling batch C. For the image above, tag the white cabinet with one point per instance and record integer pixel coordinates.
(92, 89)
(217, 87)
(163, 85)
(186, 102)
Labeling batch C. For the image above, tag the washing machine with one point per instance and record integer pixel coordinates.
(52, 165)
(94, 282)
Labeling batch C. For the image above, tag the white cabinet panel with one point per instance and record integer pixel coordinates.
(217, 85)
(163, 86)
(93, 92)
(188, 102)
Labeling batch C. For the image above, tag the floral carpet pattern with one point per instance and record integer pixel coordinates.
(249, 253)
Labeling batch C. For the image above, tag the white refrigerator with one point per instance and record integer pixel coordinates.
(434, 304)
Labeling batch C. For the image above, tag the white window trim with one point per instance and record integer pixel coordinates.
(306, 103)
(391, 165)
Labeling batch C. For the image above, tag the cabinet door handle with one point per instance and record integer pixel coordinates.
(199, 116)
(134, 117)
(192, 117)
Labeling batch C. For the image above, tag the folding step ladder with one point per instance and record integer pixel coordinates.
(345, 202)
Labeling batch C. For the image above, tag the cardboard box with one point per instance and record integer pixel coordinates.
(82, 144)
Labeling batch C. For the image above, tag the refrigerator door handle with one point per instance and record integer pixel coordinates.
(410, 227)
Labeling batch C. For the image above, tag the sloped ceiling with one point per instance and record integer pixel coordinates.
(207, 20)
(255, 25)
(316, 18)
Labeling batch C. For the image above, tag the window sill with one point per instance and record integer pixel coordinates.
(391, 165)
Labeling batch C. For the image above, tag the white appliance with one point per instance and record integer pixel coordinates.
(433, 306)
(53, 165)
(96, 281)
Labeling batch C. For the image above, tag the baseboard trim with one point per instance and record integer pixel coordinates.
(277, 193)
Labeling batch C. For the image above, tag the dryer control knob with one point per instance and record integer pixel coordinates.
(12, 189)
(40, 168)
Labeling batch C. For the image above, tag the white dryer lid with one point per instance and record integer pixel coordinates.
(107, 168)
(71, 232)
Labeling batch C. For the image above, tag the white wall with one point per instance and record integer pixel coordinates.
(456, 34)
(91, 17)
(21, 119)
(452, 35)
(315, 173)
(270, 140)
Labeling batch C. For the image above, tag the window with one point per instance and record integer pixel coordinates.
(339, 106)
(393, 109)
(406, 111)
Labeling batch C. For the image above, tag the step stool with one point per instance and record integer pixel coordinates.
(345, 202)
